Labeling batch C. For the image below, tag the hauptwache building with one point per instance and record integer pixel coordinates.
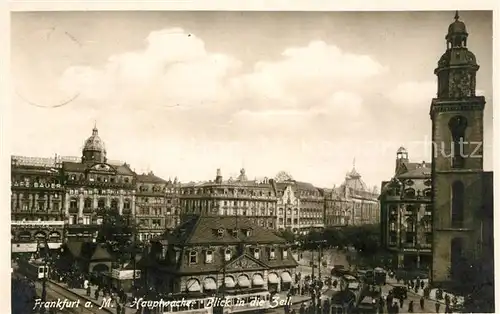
(208, 252)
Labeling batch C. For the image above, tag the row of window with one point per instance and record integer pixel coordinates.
(101, 203)
(246, 192)
(209, 255)
(156, 211)
(98, 178)
(40, 195)
(42, 206)
(99, 192)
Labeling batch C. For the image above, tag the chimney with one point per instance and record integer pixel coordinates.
(218, 177)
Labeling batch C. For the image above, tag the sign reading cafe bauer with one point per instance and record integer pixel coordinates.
(37, 185)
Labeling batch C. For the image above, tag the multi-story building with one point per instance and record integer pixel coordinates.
(253, 199)
(207, 252)
(352, 203)
(157, 208)
(461, 191)
(288, 206)
(406, 213)
(311, 212)
(93, 186)
(37, 196)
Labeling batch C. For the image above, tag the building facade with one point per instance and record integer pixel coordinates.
(157, 205)
(64, 198)
(406, 213)
(37, 198)
(93, 186)
(352, 203)
(253, 199)
(207, 252)
(459, 184)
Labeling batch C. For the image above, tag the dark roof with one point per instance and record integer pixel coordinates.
(123, 169)
(203, 229)
(88, 250)
(420, 173)
(305, 186)
(100, 253)
(149, 178)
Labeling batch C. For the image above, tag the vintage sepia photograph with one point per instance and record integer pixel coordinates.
(210, 162)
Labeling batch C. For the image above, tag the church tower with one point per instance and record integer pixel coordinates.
(457, 157)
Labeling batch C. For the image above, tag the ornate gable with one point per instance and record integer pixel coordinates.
(245, 262)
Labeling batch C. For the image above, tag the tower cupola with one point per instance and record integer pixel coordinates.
(94, 149)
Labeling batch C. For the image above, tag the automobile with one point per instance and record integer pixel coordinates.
(400, 291)
(380, 276)
(338, 270)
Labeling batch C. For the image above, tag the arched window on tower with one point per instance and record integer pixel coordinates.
(457, 126)
(457, 204)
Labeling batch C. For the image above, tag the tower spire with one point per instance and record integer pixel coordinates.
(457, 17)
(94, 130)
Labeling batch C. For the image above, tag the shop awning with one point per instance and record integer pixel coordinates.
(272, 278)
(243, 281)
(193, 285)
(286, 278)
(258, 280)
(209, 284)
(229, 282)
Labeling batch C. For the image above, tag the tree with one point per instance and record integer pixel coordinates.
(288, 235)
(118, 232)
(283, 176)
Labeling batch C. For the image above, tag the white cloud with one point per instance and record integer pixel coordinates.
(279, 112)
(414, 93)
(174, 68)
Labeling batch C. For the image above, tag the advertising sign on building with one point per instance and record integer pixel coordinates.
(125, 274)
(37, 223)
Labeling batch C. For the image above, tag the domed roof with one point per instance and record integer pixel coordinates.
(94, 143)
(402, 150)
(457, 27)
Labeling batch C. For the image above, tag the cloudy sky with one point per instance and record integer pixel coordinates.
(184, 93)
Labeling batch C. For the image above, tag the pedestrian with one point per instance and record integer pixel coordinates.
(437, 307)
(447, 309)
(447, 299)
(96, 294)
(302, 309)
(410, 307)
(422, 284)
(422, 303)
(89, 290)
(118, 308)
(395, 308)
(401, 302)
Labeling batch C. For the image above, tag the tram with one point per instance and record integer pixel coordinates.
(343, 302)
(34, 270)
